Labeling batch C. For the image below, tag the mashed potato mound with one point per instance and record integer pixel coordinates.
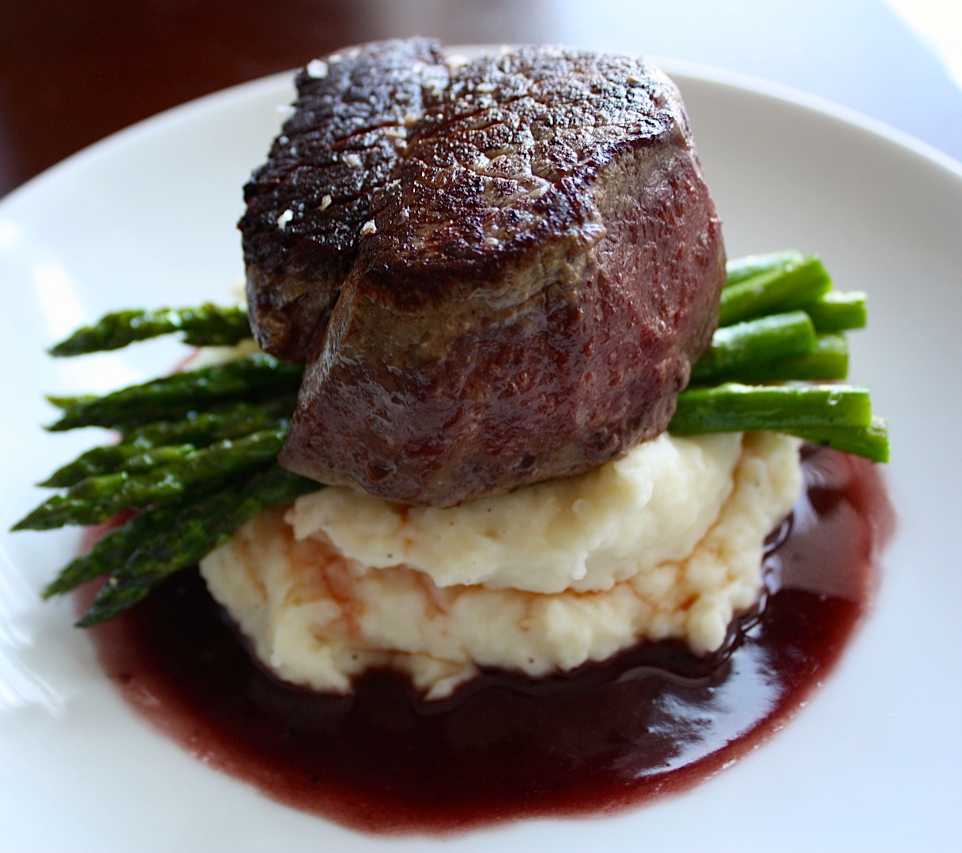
(664, 543)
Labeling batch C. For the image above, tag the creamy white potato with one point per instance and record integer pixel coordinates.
(581, 533)
(665, 543)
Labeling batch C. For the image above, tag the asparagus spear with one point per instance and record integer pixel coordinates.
(114, 548)
(839, 416)
(157, 543)
(206, 325)
(198, 428)
(197, 528)
(795, 286)
(751, 265)
(175, 395)
(185, 469)
(871, 442)
(837, 311)
(738, 348)
(105, 459)
(826, 360)
(733, 407)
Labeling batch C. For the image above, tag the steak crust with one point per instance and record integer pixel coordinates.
(307, 204)
(530, 275)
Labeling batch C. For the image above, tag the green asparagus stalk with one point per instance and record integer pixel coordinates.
(204, 326)
(200, 429)
(217, 422)
(837, 311)
(795, 286)
(156, 543)
(114, 548)
(751, 265)
(738, 348)
(826, 361)
(185, 469)
(733, 407)
(175, 395)
(105, 459)
(871, 442)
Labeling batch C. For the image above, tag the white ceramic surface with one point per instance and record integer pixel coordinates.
(147, 218)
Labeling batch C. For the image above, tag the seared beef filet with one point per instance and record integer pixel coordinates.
(537, 266)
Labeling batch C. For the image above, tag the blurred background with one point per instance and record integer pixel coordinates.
(74, 71)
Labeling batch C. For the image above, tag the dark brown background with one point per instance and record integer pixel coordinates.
(73, 71)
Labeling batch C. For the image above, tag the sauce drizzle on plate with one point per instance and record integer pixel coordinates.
(653, 721)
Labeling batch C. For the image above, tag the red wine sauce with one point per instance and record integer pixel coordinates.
(655, 720)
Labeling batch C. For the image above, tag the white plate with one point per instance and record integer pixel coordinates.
(147, 218)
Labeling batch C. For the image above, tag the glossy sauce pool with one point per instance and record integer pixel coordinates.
(655, 720)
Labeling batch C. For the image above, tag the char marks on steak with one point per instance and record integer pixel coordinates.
(521, 281)
(306, 206)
